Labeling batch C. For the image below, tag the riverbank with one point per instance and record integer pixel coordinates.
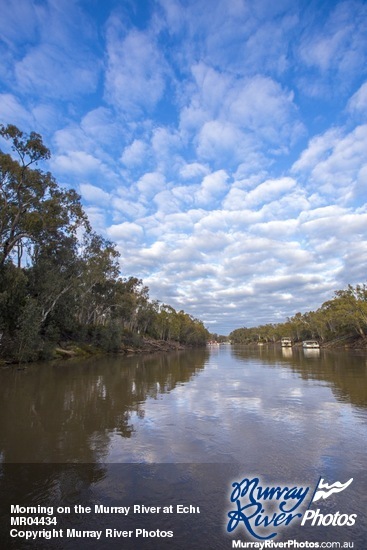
(341, 343)
(72, 350)
(346, 342)
(145, 345)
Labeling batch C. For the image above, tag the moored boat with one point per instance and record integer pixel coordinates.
(310, 344)
(286, 342)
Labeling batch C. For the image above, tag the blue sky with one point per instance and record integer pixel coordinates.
(221, 144)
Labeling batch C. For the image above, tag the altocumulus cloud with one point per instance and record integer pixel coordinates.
(223, 150)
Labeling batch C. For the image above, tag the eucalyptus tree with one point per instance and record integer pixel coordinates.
(99, 270)
(347, 311)
(38, 239)
(34, 210)
(58, 279)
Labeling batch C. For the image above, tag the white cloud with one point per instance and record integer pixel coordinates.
(222, 143)
(342, 227)
(18, 21)
(52, 65)
(235, 199)
(77, 162)
(128, 208)
(100, 128)
(184, 129)
(193, 170)
(12, 112)
(318, 148)
(268, 191)
(135, 75)
(339, 172)
(231, 118)
(281, 229)
(135, 153)
(334, 164)
(126, 231)
(150, 184)
(261, 105)
(358, 101)
(35, 69)
(94, 194)
(213, 186)
(335, 50)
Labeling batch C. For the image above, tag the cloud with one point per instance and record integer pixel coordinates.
(268, 191)
(46, 69)
(261, 105)
(334, 165)
(318, 149)
(231, 118)
(341, 226)
(223, 150)
(77, 162)
(94, 194)
(212, 187)
(193, 170)
(126, 231)
(281, 229)
(100, 128)
(135, 153)
(335, 49)
(220, 142)
(150, 184)
(135, 74)
(358, 101)
(52, 57)
(18, 22)
(12, 112)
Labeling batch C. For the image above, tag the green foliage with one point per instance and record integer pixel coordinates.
(59, 281)
(34, 211)
(27, 336)
(344, 316)
(107, 337)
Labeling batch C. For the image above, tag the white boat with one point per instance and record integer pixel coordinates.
(311, 344)
(286, 342)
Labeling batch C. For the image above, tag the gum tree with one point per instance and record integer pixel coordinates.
(34, 210)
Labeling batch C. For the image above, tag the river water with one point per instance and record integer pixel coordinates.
(178, 429)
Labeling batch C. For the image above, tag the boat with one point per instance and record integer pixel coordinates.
(310, 344)
(286, 342)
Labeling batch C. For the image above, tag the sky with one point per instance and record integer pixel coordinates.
(221, 144)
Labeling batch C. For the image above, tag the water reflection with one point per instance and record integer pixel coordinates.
(68, 411)
(311, 352)
(287, 352)
(182, 426)
(346, 372)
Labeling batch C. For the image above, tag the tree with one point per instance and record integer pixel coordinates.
(59, 281)
(34, 211)
(97, 286)
(347, 311)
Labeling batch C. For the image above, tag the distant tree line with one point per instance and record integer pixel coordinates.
(59, 280)
(342, 318)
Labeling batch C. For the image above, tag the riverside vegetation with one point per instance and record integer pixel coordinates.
(341, 321)
(60, 287)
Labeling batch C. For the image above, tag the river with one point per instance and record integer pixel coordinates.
(178, 429)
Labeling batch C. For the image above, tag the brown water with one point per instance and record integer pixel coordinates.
(184, 426)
